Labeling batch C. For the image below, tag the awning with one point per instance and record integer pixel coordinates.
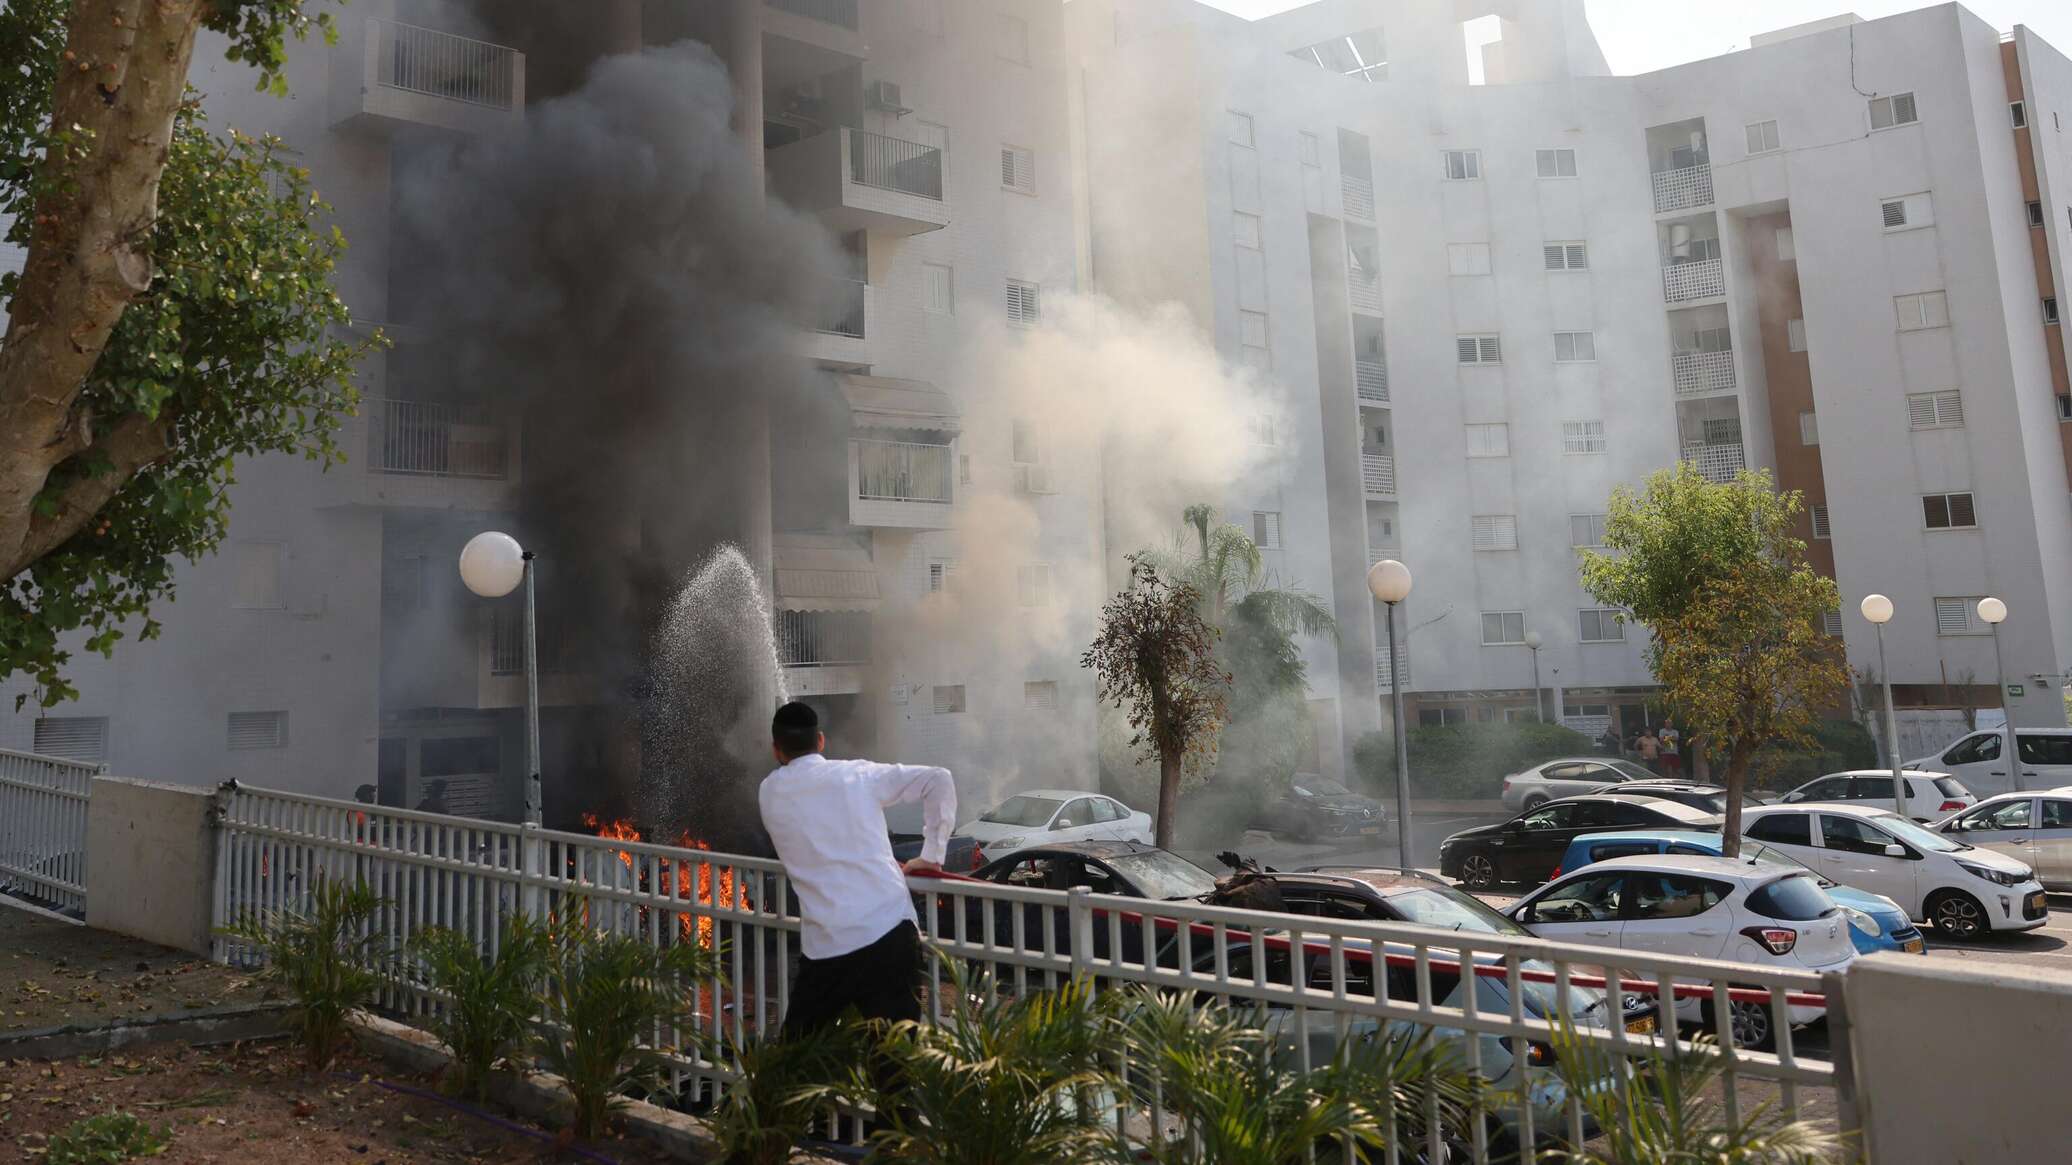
(882, 402)
(823, 573)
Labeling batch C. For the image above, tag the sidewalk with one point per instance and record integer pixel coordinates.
(57, 975)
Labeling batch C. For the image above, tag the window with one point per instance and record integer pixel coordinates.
(1495, 531)
(2050, 309)
(1040, 695)
(1582, 436)
(1783, 829)
(1600, 625)
(1787, 245)
(1948, 511)
(258, 567)
(940, 573)
(1237, 127)
(1852, 835)
(938, 289)
(1439, 717)
(1463, 165)
(1560, 163)
(2064, 407)
(1018, 169)
(1831, 626)
(1910, 210)
(1028, 450)
(1821, 529)
(81, 738)
(1926, 309)
(1468, 258)
(1574, 347)
(1586, 529)
(1594, 899)
(1897, 109)
(949, 698)
(1032, 584)
(1245, 228)
(1935, 410)
(1014, 39)
(1566, 256)
(2035, 214)
(1762, 136)
(1671, 896)
(1502, 627)
(1024, 303)
(1251, 329)
(1489, 440)
(2018, 114)
(2057, 814)
(1959, 616)
(963, 469)
(251, 730)
(1306, 149)
(1266, 529)
(1795, 335)
(1809, 428)
(1478, 349)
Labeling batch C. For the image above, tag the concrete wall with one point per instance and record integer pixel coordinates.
(151, 861)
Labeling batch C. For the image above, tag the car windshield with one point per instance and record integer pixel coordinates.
(1914, 835)
(1322, 787)
(1022, 809)
(1629, 771)
(1444, 906)
(1163, 875)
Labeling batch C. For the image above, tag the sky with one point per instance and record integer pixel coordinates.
(1639, 36)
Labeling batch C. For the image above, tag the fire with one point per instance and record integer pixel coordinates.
(694, 880)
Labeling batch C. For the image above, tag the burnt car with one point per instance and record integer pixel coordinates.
(964, 856)
(1123, 868)
(1315, 808)
(1527, 847)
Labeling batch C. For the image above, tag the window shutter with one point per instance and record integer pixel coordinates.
(1024, 305)
(1831, 623)
(251, 730)
(1544, 159)
(1903, 108)
(1962, 512)
(1795, 335)
(1921, 411)
(1586, 529)
(1820, 527)
(936, 289)
(1578, 256)
(1552, 251)
(1491, 352)
(1467, 349)
(1496, 531)
(1489, 440)
(1949, 410)
(1952, 616)
(1040, 695)
(1809, 428)
(1895, 213)
(80, 738)
(1266, 529)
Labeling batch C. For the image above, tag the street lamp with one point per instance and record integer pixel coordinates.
(1878, 609)
(1532, 644)
(1993, 611)
(492, 565)
(1389, 581)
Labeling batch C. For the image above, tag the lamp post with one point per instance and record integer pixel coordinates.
(1994, 612)
(492, 565)
(1532, 644)
(1878, 609)
(1389, 581)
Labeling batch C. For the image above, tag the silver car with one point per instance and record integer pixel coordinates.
(1568, 776)
(2034, 827)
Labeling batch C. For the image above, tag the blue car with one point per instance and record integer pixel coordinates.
(1876, 923)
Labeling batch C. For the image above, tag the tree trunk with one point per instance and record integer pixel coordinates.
(1168, 799)
(1738, 753)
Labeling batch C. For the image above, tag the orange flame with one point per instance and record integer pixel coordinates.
(694, 880)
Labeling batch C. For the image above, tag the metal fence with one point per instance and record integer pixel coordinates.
(822, 638)
(1372, 379)
(1683, 189)
(890, 163)
(459, 68)
(1699, 373)
(903, 471)
(1704, 279)
(43, 801)
(1315, 982)
(1378, 473)
(434, 439)
(1358, 196)
(844, 308)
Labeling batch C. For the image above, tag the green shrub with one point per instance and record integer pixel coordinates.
(1837, 745)
(490, 998)
(782, 1087)
(326, 958)
(105, 1140)
(1464, 761)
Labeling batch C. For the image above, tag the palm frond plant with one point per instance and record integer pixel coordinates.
(782, 1086)
(324, 955)
(490, 995)
(1672, 1113)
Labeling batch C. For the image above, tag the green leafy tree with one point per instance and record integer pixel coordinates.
(1714, 571)
(175, 312)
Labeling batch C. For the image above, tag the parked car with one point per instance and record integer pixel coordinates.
(1710, 798)
(1124, 868)
(2034, 828)
(1967, 892)
(1387, 894)
(1044, 816)
(1315, 807)
(963, 856)
(1568, 776)
(1876, 923)
(1930, 796)
(1975, 759)
(1526, 848)
(1704, 907)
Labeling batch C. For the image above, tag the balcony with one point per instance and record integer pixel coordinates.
(500, 664)
(1702, 373)
(839, 332)
(1372, 379)
(1364, 294)
(823, 652)
(1683, 189)
(1358, 195)
(1684, 282)
(857, 180)
(1378, 474)
(900, 484)
(1716, 462)
(430, 453)
(406, 75)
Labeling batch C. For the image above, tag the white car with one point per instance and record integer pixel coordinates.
(2031, 827)
(1568, 776)
(1975, 759)
(1703, 907)
(1931, 796)
(1965, 891)
(1046, 816)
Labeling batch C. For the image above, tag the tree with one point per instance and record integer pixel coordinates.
(1155, 658)
(1714, 572)
(175, 311)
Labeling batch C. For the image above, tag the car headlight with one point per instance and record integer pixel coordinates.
(1995, 876)
(1861, 921)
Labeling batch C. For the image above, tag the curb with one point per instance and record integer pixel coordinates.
(219, 1025)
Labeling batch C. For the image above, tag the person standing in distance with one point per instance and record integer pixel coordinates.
(859, 941)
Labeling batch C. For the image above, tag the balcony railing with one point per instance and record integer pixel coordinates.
(1378, 473)
(1385, 673)
(1365, 295)
(1358, 194)
(436, 440)
(1699, 373)
(903, 471)
(823, 638)
(1683, 189)
(894, 164)
(1716, 462)
(1704, 279)
(843, 314)
(507, 644)
(837, 12)
(1372, 376)
(440, 64)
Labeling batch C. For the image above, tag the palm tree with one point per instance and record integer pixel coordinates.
(1231, 573)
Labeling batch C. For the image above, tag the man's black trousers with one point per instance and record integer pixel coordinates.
(881, 981)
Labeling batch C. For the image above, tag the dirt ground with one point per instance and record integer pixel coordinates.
(255, 1102)
(55, 973)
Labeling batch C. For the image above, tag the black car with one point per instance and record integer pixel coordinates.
(1125, 868)
(1387, 894)
(1527, 847)
(1709, 798)
(963, 856)
(1315, 807)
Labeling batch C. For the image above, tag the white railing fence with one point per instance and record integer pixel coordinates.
(1358, 195)
(1317, 982)
(1372, 379)
(822, 638)
(903, 471)
(435, 439)
(1717, 462)
(1683, 189)
(1378, 473)
(1704, 279)
(1364, 293)
(1698, 373)
(440, 64)
(43, 802)
(890, 163)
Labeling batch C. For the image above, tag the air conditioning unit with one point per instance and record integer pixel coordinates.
(1033, 479)
(884, 96)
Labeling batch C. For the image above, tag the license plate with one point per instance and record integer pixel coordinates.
(1641, 1027)
(1914, 946)
(2037, 901)
(1370, 829)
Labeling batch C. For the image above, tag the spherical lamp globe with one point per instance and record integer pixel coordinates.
(492, 564)
(1992, 610)
(1389, 580)
(1876, 608)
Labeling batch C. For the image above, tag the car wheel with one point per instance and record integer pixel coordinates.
(1535, 801)
(1958, 915)
(1477, 872)
(1752, 1025)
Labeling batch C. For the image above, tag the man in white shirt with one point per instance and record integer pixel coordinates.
(859, 941)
